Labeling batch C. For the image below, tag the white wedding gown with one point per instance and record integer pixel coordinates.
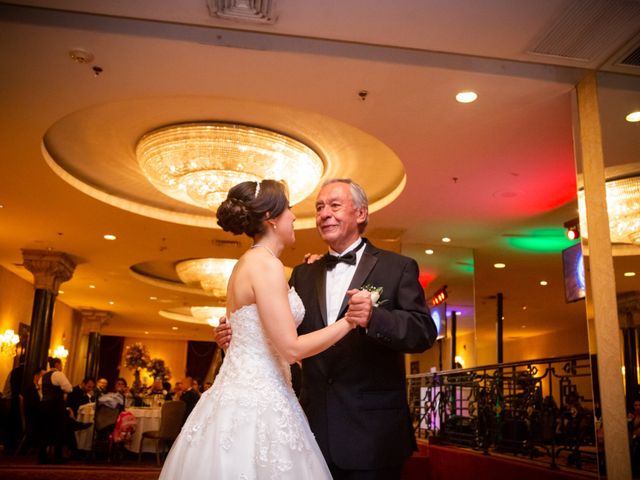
(249, 424)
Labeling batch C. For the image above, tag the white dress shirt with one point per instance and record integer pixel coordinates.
(60, 379)
(338, 280)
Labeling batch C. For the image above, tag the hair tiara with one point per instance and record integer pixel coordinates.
(257, 190)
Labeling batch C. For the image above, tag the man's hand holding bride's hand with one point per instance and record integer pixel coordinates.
(223, 334)
(360, 307)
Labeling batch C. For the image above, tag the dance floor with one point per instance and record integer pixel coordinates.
(433, 462)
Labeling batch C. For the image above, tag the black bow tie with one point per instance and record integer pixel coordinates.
(349, 258)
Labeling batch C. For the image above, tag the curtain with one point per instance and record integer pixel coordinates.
(110, 356)
(199, 358)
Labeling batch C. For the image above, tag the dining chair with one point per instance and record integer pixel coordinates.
(171, 417)
(104, 422)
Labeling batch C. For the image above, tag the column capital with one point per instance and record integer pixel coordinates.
(93, 320)
(49, 268)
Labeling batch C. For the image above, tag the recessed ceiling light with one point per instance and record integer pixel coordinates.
(428, 251)
(1, 205)
(499, 265)
(174, 328)
(111, 302)
(446, 239)
(524, 307)
(92, 286)
(629, 274)
(146, 333)
(109, 236)
(466, 97)
(633, 117)
(60, 292)
(544, 283)
(523, 326)
(153, 298)
(458, 313)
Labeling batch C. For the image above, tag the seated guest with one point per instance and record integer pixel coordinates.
(81, 394)
(175, 393)
(196, 386)
(117, 398)
(206, 386)
(101, 387)
(54, 413)
(157, 388)
(189, 396)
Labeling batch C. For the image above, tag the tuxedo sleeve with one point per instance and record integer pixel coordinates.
(405, 325)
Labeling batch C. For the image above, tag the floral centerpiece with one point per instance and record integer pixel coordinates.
(136, 357)
(158, 369)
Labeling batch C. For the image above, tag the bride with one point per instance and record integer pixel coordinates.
(249, 424)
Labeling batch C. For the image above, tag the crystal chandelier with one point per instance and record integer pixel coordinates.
(197, 163)
(210, 315)
(8, 342)
(212, 274)
(623, 206)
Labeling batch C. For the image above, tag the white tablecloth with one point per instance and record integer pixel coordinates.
(84, 437)
(148, 419)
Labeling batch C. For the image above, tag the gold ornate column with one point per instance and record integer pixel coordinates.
(49, 270)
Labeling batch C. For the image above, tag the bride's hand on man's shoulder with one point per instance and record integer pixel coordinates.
(310, 258)
(222, 333)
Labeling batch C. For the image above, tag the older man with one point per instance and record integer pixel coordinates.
(354, 393)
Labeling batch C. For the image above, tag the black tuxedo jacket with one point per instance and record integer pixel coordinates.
(354, 393)
(77, 398)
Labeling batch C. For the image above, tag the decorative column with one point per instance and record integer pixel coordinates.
(629, 316)
(603, 285)
(92, 322)
(49, 270)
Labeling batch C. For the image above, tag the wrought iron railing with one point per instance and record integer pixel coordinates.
(542, 409)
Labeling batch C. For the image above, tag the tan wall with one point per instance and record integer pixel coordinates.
(174, 354)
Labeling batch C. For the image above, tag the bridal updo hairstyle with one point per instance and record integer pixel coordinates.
(249, 204)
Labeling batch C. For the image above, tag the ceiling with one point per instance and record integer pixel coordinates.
(484, 174)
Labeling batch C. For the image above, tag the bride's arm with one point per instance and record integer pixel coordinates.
(272, 299)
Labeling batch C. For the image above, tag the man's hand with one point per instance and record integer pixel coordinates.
(360, 307)
(310, 258)
(222, 334)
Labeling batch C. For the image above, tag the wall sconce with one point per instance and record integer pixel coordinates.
(8, 343)
(61, 352)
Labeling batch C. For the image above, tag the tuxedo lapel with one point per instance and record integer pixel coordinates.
(365, 265)
(321, 292)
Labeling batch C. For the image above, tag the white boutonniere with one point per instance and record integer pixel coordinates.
(376, 293)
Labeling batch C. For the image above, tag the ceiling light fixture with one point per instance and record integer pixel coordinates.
(629, 274)
(212, 274)
(210, 315)
(623, 206)
(544, 283)
(499, 265)
(109, 236)
(633, 117)
(197, 163)
(466, 97)
(446, 239)
(428, 251)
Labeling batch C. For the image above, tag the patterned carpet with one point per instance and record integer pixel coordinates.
(77, 472)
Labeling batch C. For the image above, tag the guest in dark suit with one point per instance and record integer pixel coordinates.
(354, 393)
(189, 396)
(81, 394)
(32, 408)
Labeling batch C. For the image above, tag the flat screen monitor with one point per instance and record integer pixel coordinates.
(439, 316)
(573, 266)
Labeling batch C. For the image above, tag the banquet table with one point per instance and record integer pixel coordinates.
(84, 437)
(147, 418)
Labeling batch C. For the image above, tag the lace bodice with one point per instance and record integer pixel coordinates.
(251, 413)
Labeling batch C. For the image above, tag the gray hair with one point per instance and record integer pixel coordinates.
(358, 196)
